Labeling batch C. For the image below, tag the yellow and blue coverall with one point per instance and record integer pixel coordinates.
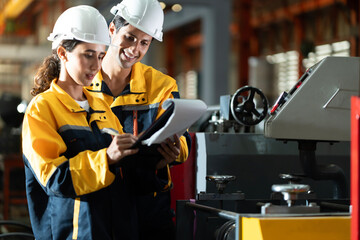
(137, 107)
(72, 192)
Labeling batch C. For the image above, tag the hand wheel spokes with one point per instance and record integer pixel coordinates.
(243, 106)
(256, 113)
(251, 96)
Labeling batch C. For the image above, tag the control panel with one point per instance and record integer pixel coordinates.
(317, 107)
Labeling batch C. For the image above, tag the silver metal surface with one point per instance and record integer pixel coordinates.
(290, 188)
(319, 108)
(276, 209)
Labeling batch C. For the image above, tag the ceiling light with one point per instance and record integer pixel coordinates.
(176, 8)
(163, 5)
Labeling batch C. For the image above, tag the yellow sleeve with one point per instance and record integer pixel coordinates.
(184, 150)
(43, 147)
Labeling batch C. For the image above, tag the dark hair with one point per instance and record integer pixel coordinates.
(119, 22)
(50, 68)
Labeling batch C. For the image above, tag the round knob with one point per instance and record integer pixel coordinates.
(290, 191)
(221, 181)
(292, 178)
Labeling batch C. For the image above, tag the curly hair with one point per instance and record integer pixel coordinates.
(50, 68)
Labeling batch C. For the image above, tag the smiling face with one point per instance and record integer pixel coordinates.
(82, 63)
(129, 45)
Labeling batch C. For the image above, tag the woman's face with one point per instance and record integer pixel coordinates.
(130, 45)
(83, 62)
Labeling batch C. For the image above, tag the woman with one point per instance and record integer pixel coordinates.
(73, 189)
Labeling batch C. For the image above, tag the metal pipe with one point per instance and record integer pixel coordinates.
(322, 172)
(219, 212)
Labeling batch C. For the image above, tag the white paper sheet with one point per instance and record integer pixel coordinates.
(186, 112)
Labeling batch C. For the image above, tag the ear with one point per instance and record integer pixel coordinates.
(61, 52)
(112, 30)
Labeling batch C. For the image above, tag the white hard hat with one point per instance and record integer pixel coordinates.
(145, 15)
(83, 23)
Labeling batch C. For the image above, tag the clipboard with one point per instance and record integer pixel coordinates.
(147, 156)
(179, 114)
(154, 127)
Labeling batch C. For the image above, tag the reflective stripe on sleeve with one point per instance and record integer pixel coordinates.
(76, 218)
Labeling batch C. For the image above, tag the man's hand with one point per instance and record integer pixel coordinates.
(119, 147)
(170, 150)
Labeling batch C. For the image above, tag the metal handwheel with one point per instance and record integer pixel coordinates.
(244, 106)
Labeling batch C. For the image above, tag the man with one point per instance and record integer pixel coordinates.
(136, 93)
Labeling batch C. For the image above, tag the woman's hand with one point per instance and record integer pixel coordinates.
(119, 147)
(170, 150)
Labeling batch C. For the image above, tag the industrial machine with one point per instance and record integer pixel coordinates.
(290, 181)
(11, 116)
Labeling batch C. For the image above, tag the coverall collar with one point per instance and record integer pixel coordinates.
(137, 81)
(69, 102)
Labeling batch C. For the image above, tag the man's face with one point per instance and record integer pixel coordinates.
(129, 45)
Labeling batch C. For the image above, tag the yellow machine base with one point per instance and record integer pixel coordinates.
(296, 228)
